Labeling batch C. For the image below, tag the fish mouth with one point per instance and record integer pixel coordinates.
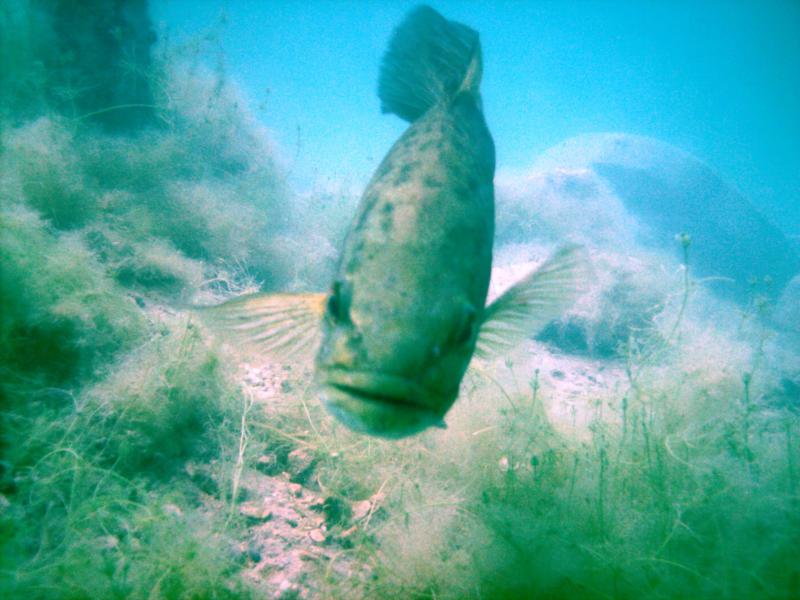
(379, 404)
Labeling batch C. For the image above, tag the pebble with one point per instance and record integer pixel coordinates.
(255, 511)
(300, 463)
(318, 536)
(361, 509)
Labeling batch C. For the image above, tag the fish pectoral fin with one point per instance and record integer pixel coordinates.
(533, 302)
(280, 326)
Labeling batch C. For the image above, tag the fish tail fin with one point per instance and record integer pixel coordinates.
(429, 59)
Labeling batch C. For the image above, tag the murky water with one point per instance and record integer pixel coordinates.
(640, 443)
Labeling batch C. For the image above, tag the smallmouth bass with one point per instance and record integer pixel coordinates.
(407, 307)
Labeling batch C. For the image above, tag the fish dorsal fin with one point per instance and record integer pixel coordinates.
(280, 326)
(533, 302)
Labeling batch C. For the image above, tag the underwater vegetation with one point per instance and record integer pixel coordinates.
(651, 451)
(125, 184)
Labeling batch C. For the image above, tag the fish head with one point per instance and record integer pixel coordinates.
(388, 366)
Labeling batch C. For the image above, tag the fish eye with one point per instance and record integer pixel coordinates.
(333, 305)
(466, 327)
(337, 305)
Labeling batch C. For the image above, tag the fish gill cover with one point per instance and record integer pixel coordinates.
(648, 449)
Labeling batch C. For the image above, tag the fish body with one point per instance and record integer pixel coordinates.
(402, 319)
(406, 310)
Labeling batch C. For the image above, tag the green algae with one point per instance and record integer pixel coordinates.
(121, 423)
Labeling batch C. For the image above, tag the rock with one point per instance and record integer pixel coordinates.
(269, 464)
(108, 542)
(613, 189)
(361, 509)
(308, 556)
(787, 310)
(623, 299)
(289, 591)
(172, 509)
(345, 538)
(300, 464)
(316, 503)
(318, 536)
(255, 511)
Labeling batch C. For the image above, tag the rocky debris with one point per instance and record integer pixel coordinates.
(300, 464)
(295, 536)
(256, 511)
(272, 385)
(616, 190)
(361, 509)
(318, 536)
(571, 386)
(268, 464)
(786, 314)
(298, 537)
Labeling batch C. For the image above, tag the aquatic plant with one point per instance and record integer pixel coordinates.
(676, 478)
(61, 315)
(126, 436)
(679, 487)
(87, 512)
(118, 423)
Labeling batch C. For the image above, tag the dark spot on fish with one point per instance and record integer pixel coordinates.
(387, 208)
(353, 265)
(338, 304)
(462, 193)
(465, 330)
(431, 182)
(425, 146)
(456, 171)
(384, 168)
(403, 175)
(369, 204)
(355, 257)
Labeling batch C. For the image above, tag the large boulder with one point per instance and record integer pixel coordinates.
(617, 190)
(787, 310)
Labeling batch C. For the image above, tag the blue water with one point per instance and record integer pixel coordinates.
(717, 79)
(157, 160)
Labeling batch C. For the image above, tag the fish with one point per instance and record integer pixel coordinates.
(406, 311)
